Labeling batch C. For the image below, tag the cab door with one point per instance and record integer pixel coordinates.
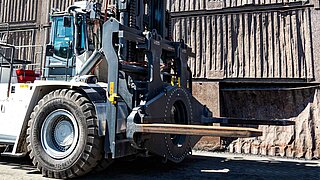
(60, 53)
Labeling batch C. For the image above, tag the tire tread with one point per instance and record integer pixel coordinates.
(90, 156)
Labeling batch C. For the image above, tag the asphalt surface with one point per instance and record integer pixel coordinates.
(201, 165)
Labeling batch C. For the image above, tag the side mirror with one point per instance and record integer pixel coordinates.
(66, 21)
(49, 50)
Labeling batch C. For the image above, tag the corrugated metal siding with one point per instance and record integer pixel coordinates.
(26, 37)
(18, 10)
(64, 4)
(267, 44)
(243, 45)
(59, 4)
(187, 5)
(31, 16)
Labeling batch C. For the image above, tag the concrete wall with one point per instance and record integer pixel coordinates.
(300, 105)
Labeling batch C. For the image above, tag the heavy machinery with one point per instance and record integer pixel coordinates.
(69, 123)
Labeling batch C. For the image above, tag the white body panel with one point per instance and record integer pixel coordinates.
(13, 109)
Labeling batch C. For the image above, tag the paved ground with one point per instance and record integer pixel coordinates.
(199, 166)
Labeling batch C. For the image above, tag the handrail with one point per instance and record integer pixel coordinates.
(11, 64)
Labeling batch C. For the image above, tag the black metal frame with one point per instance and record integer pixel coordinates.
(154, 46)
(10, 63)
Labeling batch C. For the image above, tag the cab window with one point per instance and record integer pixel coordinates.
(62, 39)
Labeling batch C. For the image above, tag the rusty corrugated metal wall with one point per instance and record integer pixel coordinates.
(28, 21)
(31, 11)
(234, 41)
(247, 44)
(263, 41)
(188, 5)
(18, 11)
(29, 14)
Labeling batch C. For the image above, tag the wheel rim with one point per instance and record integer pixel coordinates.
(59, 134)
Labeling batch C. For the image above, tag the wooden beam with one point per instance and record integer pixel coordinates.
(197, 130)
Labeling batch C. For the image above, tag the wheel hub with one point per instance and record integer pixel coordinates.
(59, 134)
(64, 133)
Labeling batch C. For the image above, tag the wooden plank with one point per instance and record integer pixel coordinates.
(198, 47)
(238, 2)
(182, 5)
(7, 11)
(15, 11)
(219, 44)
(225, 44)
(197, 130)
(203, 47)
(188, 22)
(192, 4)
(246, 45)
(294, 45)
(253, 47)
(242, 60)
(182, 29)
(270, 45)
(35, 11)
(187, 6)
(201, 4)
(276, 44)
(308, 48)
(264, 52)
(259, 42)
(214, 27)
(2, 9)
(233, 3)
(193, 44)
(282, 65)
(288, 35)
(235, 46)
(301, 45)
(209, 38)
(21, 10)
(10, 18)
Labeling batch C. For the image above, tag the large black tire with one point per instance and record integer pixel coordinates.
(103, 163)
(62, 135)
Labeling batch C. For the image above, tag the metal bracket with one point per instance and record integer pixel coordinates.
(101, 110)
(109, 28)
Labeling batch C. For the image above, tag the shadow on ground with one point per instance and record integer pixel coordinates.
(198, 167)
(195, 167)
(23, 163)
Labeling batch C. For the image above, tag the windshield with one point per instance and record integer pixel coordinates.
(63, 37)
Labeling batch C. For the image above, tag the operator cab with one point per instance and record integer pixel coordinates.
(75, 34)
